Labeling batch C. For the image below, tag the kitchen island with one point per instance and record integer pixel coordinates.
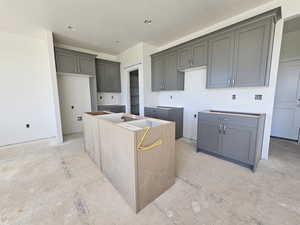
(137, 156)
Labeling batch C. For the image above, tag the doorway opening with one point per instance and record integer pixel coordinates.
(134, 92)
(286, 114)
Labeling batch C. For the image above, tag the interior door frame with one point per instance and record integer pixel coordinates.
(129, 69)
(287, 60)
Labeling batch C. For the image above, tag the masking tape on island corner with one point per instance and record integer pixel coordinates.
(144, 148)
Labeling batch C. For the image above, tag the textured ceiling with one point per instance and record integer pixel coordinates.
(100, 23)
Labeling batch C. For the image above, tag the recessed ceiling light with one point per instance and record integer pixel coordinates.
(71, 28)
(147, 21)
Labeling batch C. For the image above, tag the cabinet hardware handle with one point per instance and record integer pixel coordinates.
(224, 129)
(229, 82)
(233, 82)
(220, 128)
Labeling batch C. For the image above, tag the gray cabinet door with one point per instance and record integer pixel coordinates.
(173, 79)
(108, 76)
(66, 61)
(86, 65)
(208, 136)
(199, 53)
(157, 77)
(238, 142)
(101, 76)
(252, 43)
(184, 57)
(220, 60)
(112, 70)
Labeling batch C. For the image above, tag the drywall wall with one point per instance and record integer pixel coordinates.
(291, 8)
(138, 58)
(131, 59)
(53, 85)
(290, 48)
(25, 90)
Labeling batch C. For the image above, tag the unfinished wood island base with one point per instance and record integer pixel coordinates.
(137, 156)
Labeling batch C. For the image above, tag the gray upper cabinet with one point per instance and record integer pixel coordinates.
(220, 59)
(108, 76)
(192, 55)
(184, 57)
(237, 56)
(173, 79)
(157, 67)
(69, 61)
(86, 65)
(199, 53)
(252, 44)
(66, 61)
(165, 75)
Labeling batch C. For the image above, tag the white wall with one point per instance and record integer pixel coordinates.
(25, 90)
(290, 48)
(138, 57)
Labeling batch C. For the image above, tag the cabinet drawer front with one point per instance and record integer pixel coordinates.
(209, 118)
(240, 121)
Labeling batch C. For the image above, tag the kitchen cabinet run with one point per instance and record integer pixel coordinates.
(108, 76)
(237, 137)
(69, 61)
(236, 56)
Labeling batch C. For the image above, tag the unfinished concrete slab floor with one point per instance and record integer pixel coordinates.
(42, 184)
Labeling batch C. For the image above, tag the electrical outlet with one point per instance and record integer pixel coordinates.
(171, 97)
(258, 97)
(195, 115)
(233, 97)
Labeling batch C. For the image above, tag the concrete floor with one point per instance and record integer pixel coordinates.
(44, 184)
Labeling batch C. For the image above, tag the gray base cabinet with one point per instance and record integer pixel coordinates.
(69, 61)
(233, 136)
(112, 108)
(174, 114)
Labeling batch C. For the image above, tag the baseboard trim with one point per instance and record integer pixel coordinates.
(49, 140)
